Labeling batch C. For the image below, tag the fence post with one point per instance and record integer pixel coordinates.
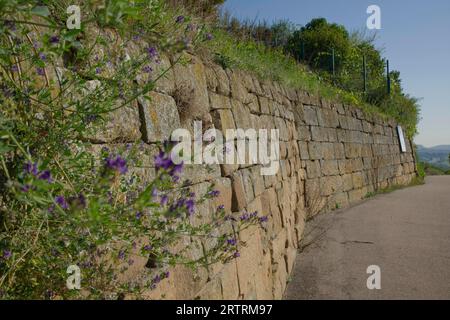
(365, 73)
(388, 78)
(333, 63)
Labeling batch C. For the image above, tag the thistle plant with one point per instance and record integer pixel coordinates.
(62, 204)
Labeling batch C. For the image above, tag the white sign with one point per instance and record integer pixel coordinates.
(401, 138)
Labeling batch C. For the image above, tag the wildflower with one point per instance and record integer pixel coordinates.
(61, 201)
(147, 69)
(164, 200)
(25, 188)
(244, 217)
(232, 242)
(118, 163)
(166, 274)
(236, 254)
(98, 70)
(221, 207)
(14, 68)
(138, 215)
(190, 205)
(7, 254)
(40, 71)
(177, 168)
(180, 19)
(147, 247)
(156, 279)
(42, 56)
(209, 36)
(254, 214)
(90, 118)
(154, 193)
(162, 162)
(45, 175)
(263, 219)
(54, 39)
(31, 168)
(214, 193)
(121, 255)
(152, 52)
(190, 27)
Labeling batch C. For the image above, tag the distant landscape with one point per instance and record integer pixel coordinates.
(435, 159)
(437, 155)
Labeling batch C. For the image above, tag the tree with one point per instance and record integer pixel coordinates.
(317, 39)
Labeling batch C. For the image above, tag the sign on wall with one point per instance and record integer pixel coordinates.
(401, 138)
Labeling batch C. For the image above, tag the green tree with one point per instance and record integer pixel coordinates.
(318, 38)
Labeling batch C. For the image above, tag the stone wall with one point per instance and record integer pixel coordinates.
(332, 155)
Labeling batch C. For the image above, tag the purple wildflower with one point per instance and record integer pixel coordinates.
(156, 279)
(14, 68)
(138, 215)
(25, 188)
(214, 193)
(164, 200)
(162, 161)
(190, 205)
(263, 219)
(40, 71)
(148, 247)
(45, 175)
(121, 254)
(31, 168)
(166, 274)
(61, 201)
(232, 242)
(221, 207)
(54, 39)
(42, 56)
(236, 254)
(177, 168)
(7, 254)
(209, 36)
(244, 217)
(98, 70)
(154, 193)
(180, 19)
(152, 52)
(117, 163)
(147, 69)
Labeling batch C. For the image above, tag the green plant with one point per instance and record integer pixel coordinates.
(65, 202)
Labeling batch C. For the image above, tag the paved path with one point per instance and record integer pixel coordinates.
(406, 233)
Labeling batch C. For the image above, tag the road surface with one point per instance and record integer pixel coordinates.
(406, 233)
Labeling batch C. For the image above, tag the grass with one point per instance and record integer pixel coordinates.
(432, 170)
(417, 181)
(270, 63)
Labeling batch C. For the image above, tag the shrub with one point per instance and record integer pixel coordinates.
(63, 203)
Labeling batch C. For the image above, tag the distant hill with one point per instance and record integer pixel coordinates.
(438, 155)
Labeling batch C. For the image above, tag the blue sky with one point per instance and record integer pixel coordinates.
(415, 36)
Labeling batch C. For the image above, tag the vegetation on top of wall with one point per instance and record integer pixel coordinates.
(302, 58)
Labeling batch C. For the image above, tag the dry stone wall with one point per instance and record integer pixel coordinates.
(331, 156)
